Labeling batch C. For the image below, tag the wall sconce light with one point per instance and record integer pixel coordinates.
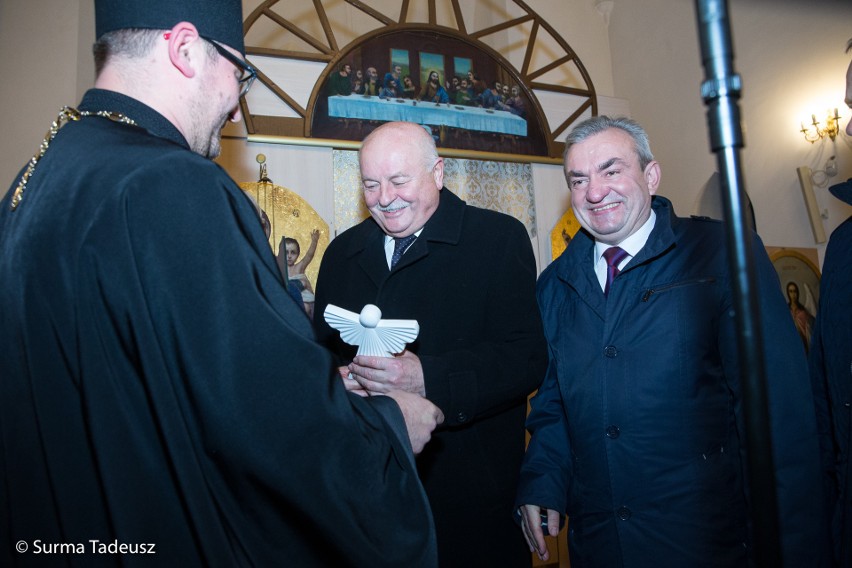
(814, 133)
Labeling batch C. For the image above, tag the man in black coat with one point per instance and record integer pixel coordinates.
(468, 278)
(162, 397)
(831, 359)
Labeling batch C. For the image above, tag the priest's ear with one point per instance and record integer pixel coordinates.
(186, 48)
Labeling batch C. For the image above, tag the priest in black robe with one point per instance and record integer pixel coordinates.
(162, 398)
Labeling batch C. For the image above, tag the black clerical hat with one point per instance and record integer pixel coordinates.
(220, 20)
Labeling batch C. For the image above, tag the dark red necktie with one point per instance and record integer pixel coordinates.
(613, 257)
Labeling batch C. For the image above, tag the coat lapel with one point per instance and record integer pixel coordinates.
(578, 268)
(577, 271)
(444, 226)
(371, 254)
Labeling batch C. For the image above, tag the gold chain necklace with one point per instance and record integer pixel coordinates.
(66, 115)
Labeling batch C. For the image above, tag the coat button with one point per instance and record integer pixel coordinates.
(461, 417)
(624, 513)
(613, 432)
(610, 351)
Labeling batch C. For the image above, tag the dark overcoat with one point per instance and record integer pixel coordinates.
(469, 280)
(638, 429)
(158, 385)
(831, 369)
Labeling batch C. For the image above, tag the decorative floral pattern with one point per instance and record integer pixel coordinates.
(506, 187)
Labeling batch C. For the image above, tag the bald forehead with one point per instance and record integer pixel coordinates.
(400, 133)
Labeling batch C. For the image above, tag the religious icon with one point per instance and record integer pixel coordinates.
(563, 232)
(799, 276)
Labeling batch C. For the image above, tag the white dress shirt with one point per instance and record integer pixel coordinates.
(631, 245)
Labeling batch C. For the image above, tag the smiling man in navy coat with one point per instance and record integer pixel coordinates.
(468, 278)
(638, 428)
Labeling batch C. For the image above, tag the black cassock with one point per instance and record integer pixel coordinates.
(158, 386)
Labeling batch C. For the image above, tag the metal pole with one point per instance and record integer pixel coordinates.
(720, 92)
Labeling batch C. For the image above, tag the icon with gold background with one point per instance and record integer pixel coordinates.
(563, 232)
(289, 215)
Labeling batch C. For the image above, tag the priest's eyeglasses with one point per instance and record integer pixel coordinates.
(249, 72)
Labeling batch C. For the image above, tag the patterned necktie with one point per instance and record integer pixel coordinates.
(613, 257)
(400, 245)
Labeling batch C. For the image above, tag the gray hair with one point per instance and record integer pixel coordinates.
(598, 124)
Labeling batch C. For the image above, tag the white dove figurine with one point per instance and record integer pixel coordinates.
(373, 335)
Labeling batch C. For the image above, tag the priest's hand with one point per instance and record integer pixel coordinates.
(350, 383)
(421, 417)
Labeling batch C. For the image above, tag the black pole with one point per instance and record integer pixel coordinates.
(721, 91)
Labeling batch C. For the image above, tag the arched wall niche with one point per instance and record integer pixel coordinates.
(297, 46)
